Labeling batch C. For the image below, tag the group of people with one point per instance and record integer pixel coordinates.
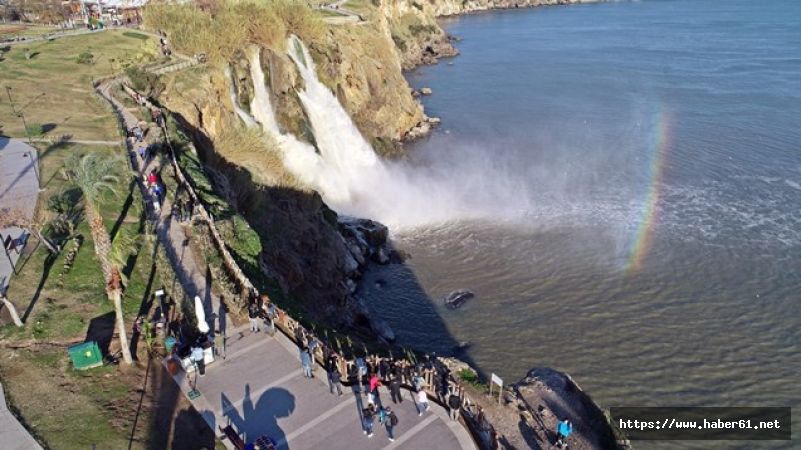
(183, 208)
(262, 311)
(154, 186)
(164, 46)
(367, 375)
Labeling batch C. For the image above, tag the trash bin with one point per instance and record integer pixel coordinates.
(169, 343)
(85, 355)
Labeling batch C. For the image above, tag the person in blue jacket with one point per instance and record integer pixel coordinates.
(563, 430)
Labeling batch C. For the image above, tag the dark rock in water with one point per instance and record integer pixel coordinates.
(380, 283)
(398, 256)
(457, 298)
(462, 347)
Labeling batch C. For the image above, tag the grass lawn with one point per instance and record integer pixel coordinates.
(8, 30)
(69, 409)
(55, 91)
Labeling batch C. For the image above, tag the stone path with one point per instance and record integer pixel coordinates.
(12, 434)
(345, 15)
(260, 389)
(19, 190)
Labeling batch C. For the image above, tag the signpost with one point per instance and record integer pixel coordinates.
(495, 379)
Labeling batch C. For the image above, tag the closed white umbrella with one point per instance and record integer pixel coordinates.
(200, 313)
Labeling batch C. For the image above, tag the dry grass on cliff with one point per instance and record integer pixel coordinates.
(259, 154)
(222, 27)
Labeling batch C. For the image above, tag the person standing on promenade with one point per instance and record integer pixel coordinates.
(368, 415)
(270, 311)
(422, 402)
(253, 316)
(305, 360)
(334, 377)
(454, 403)
(361, 366)
(375, 383)
(395, 389)
(390, 423)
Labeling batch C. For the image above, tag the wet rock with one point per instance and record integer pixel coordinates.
(381, 256)
(458, 298)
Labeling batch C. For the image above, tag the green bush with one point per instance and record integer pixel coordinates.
(35, 129)
(135, 35)
(141, 81)
(85, 57)
(399, 42)
(418, 29)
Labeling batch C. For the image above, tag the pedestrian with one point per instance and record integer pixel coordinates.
(383, 369)
(157, 191)
(143, 153)
(368, 415)
(395, 389)
(313, 345)
(374, 384)
(176, 209)
(305, 360)
(454, 403)
(151, 178)
(390, 423)
(198, 358)
(253, 316)
(422, 402)
(334, 377)
(219, 344)
(361, 366)
(269, 311)
(299, 336)
(417, 382)
(563, 430)
(189, 207)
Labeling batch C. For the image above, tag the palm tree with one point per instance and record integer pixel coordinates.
(93, 175)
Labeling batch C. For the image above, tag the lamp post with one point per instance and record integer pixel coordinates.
(34, 163)
(18, 113)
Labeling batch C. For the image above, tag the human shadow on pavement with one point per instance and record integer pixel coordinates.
(260, 417)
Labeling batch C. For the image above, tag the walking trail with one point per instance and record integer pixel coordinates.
(259, 388)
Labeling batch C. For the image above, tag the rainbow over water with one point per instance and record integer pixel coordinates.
(658, 146)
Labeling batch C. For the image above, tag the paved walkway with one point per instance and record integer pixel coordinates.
(260, 390)
(12, 434)
(19, 190)
(171, 233)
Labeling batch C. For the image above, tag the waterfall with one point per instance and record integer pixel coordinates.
(299, 158)
(243, 115)
(347, 172)
(260, 104)
(392, 193)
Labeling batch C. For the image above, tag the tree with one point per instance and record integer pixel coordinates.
(17, 218)
(93, 175)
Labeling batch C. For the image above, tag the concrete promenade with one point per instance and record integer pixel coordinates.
(19, 190)
(260, 389)
(12, 434)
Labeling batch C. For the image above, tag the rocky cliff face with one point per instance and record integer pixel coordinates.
(314, 256)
